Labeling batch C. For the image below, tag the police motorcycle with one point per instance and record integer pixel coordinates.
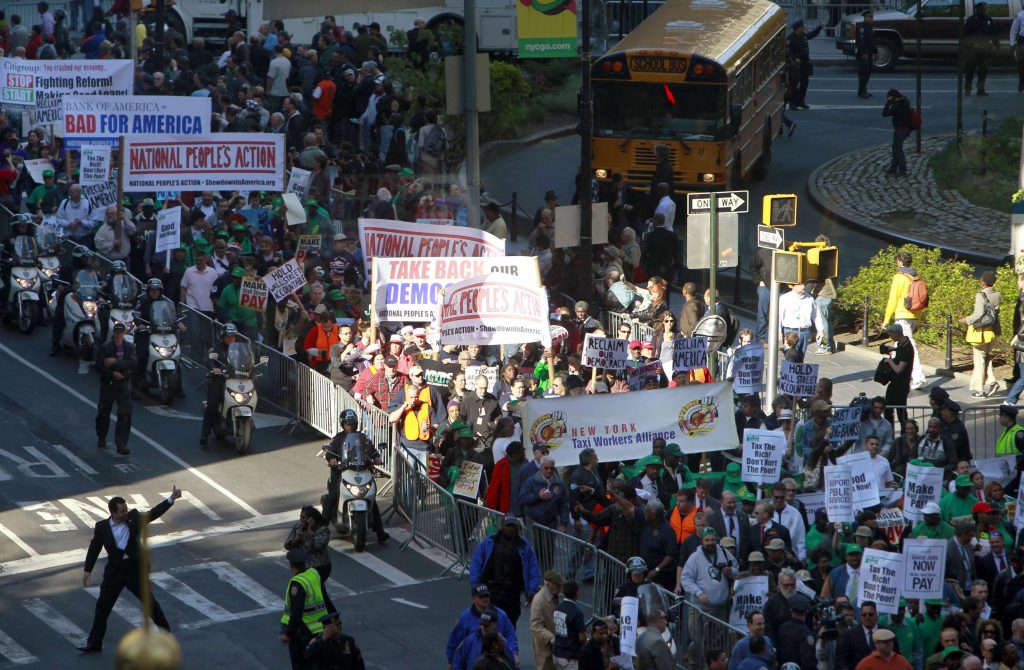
(48, 263)
(121, 291)
(81, 313)
(238, 406)
(24, 283)
(163, 366)
(351, 488)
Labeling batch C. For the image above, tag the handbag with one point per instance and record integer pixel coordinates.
(883, 373)
(989, 317)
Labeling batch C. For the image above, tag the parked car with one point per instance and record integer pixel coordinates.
(896, 30)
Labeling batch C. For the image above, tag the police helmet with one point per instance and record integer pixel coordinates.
(118, 267)
(22, 219)
(349, 417)
(154, 283)
(81, 251)
(636, 564)
(229, 329)
(790, 666)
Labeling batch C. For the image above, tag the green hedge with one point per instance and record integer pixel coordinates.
(952, 284)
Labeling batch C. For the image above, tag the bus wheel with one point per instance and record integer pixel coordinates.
(760, 170)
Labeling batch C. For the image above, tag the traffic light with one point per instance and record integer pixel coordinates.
(779, 211)
(789, 266)
(823, 263)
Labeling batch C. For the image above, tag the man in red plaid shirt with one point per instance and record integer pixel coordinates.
(385, 385)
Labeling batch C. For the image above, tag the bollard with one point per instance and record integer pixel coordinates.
(984, 122)
(864, 329)
(736, 286)
(949, 342)
(514, 227)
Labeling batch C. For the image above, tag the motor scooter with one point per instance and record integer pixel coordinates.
(351, 488)
(23, 297)
(163, 365)
(238, 405)
(81, 314)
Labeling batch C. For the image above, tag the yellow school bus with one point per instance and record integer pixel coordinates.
(703, 77)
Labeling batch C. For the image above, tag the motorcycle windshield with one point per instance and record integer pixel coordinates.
(45, 238)
(86, 285)
(124, 289)
(353, 453)
(25, 249)
(240, 358)
(163, 316)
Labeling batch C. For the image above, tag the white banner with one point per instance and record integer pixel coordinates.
(798, 379)
(409, 289)
(383, 238)
(762, 455)
(216, 162)
(629, 620)
(1001, 469)
(838, 494)
(168, 229)
(750, 595)
(684, 354)
(924, 567)
(864, 482)
(95, 165)
(881, 580)
(607, 353)
(102, 119)
(922, 486)
(748, 369)
(36, 167)
(42, 84)
(845, 424)
(101, 196)
(699, 418)
(493, 309)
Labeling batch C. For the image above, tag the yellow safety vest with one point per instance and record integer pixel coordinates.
(1005, 445)
(314, 608)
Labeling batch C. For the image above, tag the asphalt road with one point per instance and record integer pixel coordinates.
(838, 122)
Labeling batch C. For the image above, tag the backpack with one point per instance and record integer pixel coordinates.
(917, 295)
(435, 143)
(915, 118)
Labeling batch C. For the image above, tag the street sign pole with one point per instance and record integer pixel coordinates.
(712, 269)
(772, 366)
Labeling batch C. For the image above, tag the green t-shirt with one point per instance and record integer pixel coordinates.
(952, 506)
(229, 303)
(941, 532)
(815, 538)
(908, 636)
(929, 630)
(47, 197)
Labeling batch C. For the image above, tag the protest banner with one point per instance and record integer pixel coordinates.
(812, 503)
(890, 518)
(748, 369)
(294, 212)
(436, 373)
(629, 620)
(924, 567)
(750, 594)
(762, 455)
(698, 418)
(409, 289)
(474, 371)
(383, 238)
(607, 353)
(102, 119)
(863, 482)
(1018, 516)
(101, 195)
(838, 494)
(640, 375)
(168, 229)
(42, 84)
(922, 485)
(467, 484)
(881, 580)
(298, 182)
(36, 167)
(245, 162)
(436, 222)
(309, 243)
(285, 280)
(798, 379)
(1000, 469)
(684, 354)
(95, 165)
(492, 309)
(845, 424)
(253, 294)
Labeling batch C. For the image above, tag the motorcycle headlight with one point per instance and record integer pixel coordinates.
(89, 307)
(167, 352)
(358, 490)
(241, 398)
(23, 282)
(49, 272)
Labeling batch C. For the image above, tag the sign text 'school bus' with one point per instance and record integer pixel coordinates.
(703, 77)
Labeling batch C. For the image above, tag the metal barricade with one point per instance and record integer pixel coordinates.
(475, 523)
(609, 574)
(199, 336)
(696, 632)
(638, 331)
(983, 429)
(279, 384)
(563, 553)
(430, 509)
(316, 399)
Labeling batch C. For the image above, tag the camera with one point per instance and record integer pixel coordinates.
(823, 612)
(715, 571)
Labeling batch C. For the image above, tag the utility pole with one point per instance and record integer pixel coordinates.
(586, 114)
(920, 28)
(771, 369)
(960, 76)
(712, 271)
(471, 116)
(158, 34)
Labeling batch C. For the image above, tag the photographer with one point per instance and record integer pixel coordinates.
(708, 575)
(901, 363)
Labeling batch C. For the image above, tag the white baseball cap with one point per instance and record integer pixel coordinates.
(930, 508)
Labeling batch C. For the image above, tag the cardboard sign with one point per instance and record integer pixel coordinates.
(492, 309)
(102, 119)
(748, 369)
(285, 280)
(253, 294)
(798, 379)
(309, 243)
(42, 84)
(762, 455)
(95, 165)
(474, 371)
(638, 376)
(750, 595)
(629, 615)
(924, 567)
(101, 195)
(838, 494)
(845, 424)
(468, 483)
(923, 484)
(436, 373)
(684, 354)
(36, 167)
(215, 162)
(298, 182)
(1001, 469)
(294, 212)
(890, 518)
(168, 235)
(863, 480)
(881, 580)
(607, 353)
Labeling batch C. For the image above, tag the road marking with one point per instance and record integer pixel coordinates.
(122, 608)
(260, 420)
(18, 541)
(234, 577)
(410, 603)
(436, 555)
(13, 651)
(379, 566)
(75, 460)
(189, 497)
(191, 597)
(83, 367)
(57, 621)
(277, 553)
(166, 452)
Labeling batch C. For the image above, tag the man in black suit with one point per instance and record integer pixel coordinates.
(119, 535)
(116, 361)
(857, 642)
(731, 522)
(765, 529)
(994, 562)
(960, 554)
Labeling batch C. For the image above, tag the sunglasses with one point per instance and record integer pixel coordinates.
(417, 375)
(782, 497)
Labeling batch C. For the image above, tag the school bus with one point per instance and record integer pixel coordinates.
(703, 77)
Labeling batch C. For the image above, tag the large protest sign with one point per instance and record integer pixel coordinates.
(309, 243)
(812, 503)
(253, 294)
(285, 280)
(101, 195)
(922, 485)
(95, 165)
(845, 424)
(436, 373)
(474, 371)
(924, 568)
(881, 580)
(216, 162)
(607, 353)
(798, 379)
(168, 229)
(102, 119)
(493, 309)
(864, 482)
(750, 595)
(748, 369)
(629, 617)
(1000, 469)
(762, 455)
(382, 238)
(621, 426)
(467, 484)
(42, 84)
(640, 375)
(684, 354)
(298, 182)
(409, 289)
(36, 167)
(838, 493)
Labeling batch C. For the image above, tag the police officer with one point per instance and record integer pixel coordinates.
(636, 568)
(154, 292)
(21, 225)
(865, 51)
(333, 650)
(799, 53)
(979, 45)
(215, 380)
(66, 274)
(305, 603)
(349, 425)
(794, 641)
(115, 359)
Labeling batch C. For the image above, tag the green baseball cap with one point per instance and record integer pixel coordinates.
(934, 601)
(458, 424)
(674, 450)
(746, 496)
(47, 173)
(238, 227)
(466, 432)
(732, 473)
(708, 531)
(238, 272)
(649, 459)
(949, 651)
(336, 294)
(963, 480)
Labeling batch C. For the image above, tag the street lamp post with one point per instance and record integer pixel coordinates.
(472, 117)
(586, 114)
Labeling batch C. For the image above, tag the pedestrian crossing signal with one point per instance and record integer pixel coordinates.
(789, 266)
(823, 263)
(779, 211)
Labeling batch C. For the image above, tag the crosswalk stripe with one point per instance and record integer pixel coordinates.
(192, 598)
(55, 620)
(122, 608)
(234, 577)
(378, 566)
(14, 652)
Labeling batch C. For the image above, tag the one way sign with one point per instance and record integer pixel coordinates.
(770, 238)
(737, 202)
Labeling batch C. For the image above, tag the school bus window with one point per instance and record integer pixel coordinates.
(677, 111)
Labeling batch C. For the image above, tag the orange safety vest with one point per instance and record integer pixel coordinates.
(683, 526)
(324, 341)
(416, 423)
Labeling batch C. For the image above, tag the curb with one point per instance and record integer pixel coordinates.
(500, 148)
(852, 221)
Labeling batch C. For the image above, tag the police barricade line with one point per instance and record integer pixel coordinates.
(638, 331)
(694, 631)
(406, 484)
(316, 399)
(279, 384)
(569, 556)
(475, 523)
(433, 516)
(983, 430)
(199, 336)
(609, 574)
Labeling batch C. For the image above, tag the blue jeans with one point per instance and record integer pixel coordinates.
(899, 158)
(763, 298)
(1017, 387)
(825, 309)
